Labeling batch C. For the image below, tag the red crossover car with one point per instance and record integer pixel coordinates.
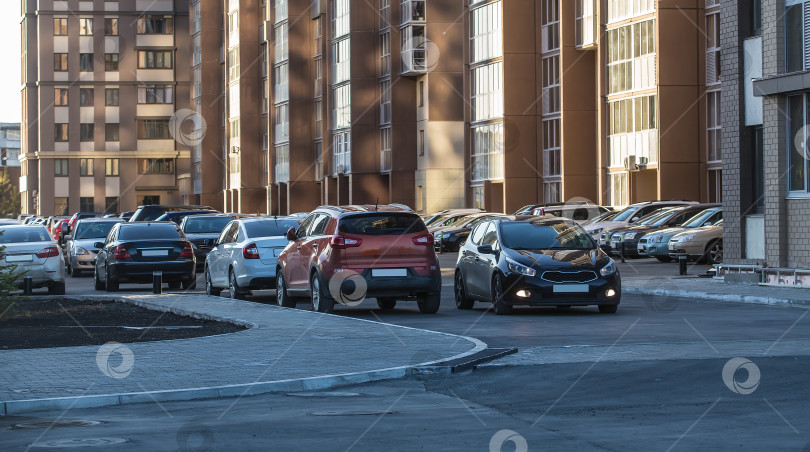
(345, 254)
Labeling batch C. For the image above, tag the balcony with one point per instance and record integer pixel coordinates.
(414, 51)
(413, 11)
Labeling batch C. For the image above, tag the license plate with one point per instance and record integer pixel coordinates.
(388, 272)
(19, 258)
(154, 253)
(571, 288)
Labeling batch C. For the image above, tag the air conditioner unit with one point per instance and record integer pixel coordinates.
(339, 169)
(630, 163)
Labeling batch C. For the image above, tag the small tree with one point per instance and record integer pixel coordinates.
(8, 277)
(9, 195)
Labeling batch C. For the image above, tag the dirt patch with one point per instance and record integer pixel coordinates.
(66, 322)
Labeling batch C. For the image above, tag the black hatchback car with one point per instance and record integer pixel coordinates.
(538, 262)
(133, 251)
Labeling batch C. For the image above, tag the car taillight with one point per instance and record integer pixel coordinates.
(187, 251)
(50, 251)
(424, 239)
(342, 242)
(121, 253)
(251, 251)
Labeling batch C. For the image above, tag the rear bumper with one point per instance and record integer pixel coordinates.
(138, 272)
(42, 275)
(411, 285)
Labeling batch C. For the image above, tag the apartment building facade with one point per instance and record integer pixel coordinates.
(102, 81)
(10, 152)
(588, 99)
(766, 109)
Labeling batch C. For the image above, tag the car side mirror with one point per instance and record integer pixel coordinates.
(99, 245)
(635, 219)
(485, 249)
(708, 223)
(291, 234)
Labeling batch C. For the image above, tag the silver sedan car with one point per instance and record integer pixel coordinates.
(80, 248)
(244, 257)
(33, 253)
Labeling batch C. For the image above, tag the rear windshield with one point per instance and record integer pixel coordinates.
(382, 223)
(269, 227)
(149, 232)
(206, 225)
(24, 235)
(548, 235)
(94, 230)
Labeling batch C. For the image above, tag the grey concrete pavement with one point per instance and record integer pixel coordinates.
(285, 349)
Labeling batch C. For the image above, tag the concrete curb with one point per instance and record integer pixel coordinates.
(736, 298)
(17, 407)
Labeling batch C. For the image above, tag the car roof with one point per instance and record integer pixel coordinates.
(101, 220)
(145, 223)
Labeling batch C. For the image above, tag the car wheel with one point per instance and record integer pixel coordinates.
(462, 301)
(320, 301)
(282, 297)
(233, 287)
(386, 304)
(714, 252)
(174, 284)
(97, 282)
(429, 303)
(190, 284)
(608, 308)
(663, 258)
(209, 286)
(499, 304)
(75, 272)
(110, 284)
(57, 289)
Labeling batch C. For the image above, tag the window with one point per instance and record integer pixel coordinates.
(631, 57)
(586, 23)
(413, 10)
(111, 97)
(551, 84)
(86, 97)
(148, 25)
(86, 62)
(624, 9)
(713, 49)
(156, 166)
(486, 38)
(60, 26)
(111, 26)
(794, 37)
(342, 152)
(60, 62)
(280, 9)
(282, 47)
(154, 59)
(385, 54)
(153, 129)
(630, 127)
(420, 142)
(798, 140)
(85, 167)
(552, 192)
(60, 97)
(233, 64)
(713, 126)
(755, 18)
(617, 184)
(110, 62)
(550, 24)
(487, 92)
(111, 132)
(318, 29)
(283, 163)
(385, 14)
(148, 200)
(281, 83)
(60, 132)
(155, 94)
(420, 93)
(340, 18)
(282, 123)
(86, 132)
(60, 206)
(342, 107)
(341, 62)
(385, 102)
(110, 167)
(385, 149)
(111, 204)
(551, 148)
(60, 167)
(318, 118)
(487, 152)
(758, 171)
(85, 27)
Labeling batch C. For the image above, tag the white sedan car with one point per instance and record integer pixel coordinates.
(34, 253)
(244, 257)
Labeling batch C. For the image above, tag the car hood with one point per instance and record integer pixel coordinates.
(669, 232)
(202, 236)
(701, 233)
(88, 244)
(560, 259)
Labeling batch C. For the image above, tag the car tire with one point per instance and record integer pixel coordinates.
(320, 302)
(386, 304)
(57, 288)
(209, 286)
(174, 284)
(283, 298)
(110, 284)
(97, 282)
(714, 252)
(75, 272)
(234, 291)
(190, 284)
(608, 308)
(663, 258)
(429, 303)
(462, 300)
(498, 303)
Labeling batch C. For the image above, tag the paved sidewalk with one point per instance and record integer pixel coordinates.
(285, 350)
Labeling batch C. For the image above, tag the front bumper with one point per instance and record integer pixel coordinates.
(691, 249)
(141, 272)
(542, 292)
(83, 262)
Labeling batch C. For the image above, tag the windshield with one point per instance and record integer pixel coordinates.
(149, 232)
(545, 235)
(381, 224)
(94, 230)
(699, 219)
(626, 214)
(452, 220)
(206, 225)
(24, 235)
(607, 216)
(654, 217)
(269, 227)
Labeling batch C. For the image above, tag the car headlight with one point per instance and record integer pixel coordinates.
(685, 238)
(608, 269)
(81, 251)
(597, 231)
(656, 239)
(514, 267)
(630, 235)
